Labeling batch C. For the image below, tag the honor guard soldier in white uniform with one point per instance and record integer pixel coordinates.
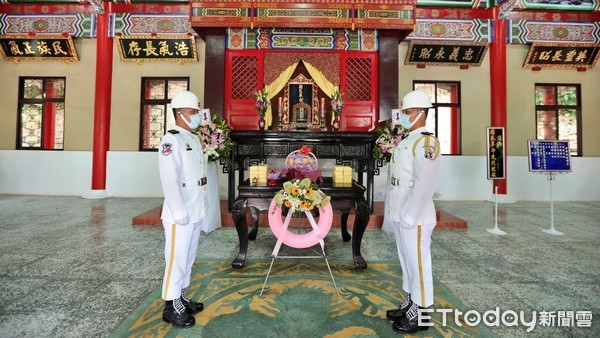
(415, 169)
(182, 167)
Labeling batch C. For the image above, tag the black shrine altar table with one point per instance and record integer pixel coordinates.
(256, 146)
(343, 198)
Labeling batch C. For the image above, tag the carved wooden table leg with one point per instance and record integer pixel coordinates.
(360, 224)
(344, 225)
(239, 219)
(255, 214)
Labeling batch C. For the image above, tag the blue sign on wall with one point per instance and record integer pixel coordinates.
(549, 155)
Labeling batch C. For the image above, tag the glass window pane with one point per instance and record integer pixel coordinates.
(567, 95)
(32, 89)
(446, 129)
(447, 93)
(59, 126)
(31, 125)
(430, 122)
(546, 124)
(428, 88)
(154, 89)
(152, 126)
(176, 86)
(567, 127)
(55, 89)
(544, 95)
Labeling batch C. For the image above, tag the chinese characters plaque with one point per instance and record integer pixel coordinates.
(438, 53)
(495, 153)
(157, 48)
(549, 155)
(555, 55)
(43, 47)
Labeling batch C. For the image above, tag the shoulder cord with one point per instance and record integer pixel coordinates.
(432, 155)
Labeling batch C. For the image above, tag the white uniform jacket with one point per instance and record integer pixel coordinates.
(414, 178)
(182, 167)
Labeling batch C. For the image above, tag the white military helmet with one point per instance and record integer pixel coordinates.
(185, 99)
(416, 99)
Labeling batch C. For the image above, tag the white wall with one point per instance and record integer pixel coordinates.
(135, 174)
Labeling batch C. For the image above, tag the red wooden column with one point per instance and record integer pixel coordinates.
(49, 119)
(498, 87)
(102, 100)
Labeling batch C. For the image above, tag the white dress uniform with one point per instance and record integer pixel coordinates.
(182, 167)
(415, 170)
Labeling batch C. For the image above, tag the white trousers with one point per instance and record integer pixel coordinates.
(414, 251)
(181, 245)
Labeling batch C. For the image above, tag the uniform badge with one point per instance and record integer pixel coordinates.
(429, 154)
(166, 149)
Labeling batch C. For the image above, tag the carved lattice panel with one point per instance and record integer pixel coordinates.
(244, 71)
(358, 79)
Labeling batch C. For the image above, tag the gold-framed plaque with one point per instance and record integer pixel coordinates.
(445, 53)
(17, 48)
(562, 55)
(138, 49)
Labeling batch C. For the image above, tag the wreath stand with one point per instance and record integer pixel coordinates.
(299, 241)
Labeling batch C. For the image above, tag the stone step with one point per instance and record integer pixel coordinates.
(445, 220)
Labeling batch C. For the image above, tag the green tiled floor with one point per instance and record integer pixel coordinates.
(71, 267)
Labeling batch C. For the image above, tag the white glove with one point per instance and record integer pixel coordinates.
(183, 221)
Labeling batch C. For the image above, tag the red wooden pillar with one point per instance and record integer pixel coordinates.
(49, 119)
(498, 87)
(102, 100)
(454, 131)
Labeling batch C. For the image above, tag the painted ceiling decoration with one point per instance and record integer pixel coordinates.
(527, 32)
(292, 38)
(351, 14)
(468, 30)
(346, 24)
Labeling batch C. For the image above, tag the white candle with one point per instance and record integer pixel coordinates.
(280, 98)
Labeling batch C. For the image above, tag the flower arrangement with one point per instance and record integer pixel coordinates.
(215, 139)
(301, 195)
(388, 140)
(262, 102)
(337, 102)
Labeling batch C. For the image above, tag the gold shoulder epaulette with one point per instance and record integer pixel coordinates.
(431, 151)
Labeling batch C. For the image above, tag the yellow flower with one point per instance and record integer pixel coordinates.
(287, 204)
(295, 191)
(308, 192)
(303, 205)
(311, 206)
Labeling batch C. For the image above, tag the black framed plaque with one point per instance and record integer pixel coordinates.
(495, 153)
(446, 53)
(38, 47)
(138, 49)
(561, 55)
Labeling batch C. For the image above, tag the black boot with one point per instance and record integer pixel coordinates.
(401, 311)
(410, 322)
(191, 307)
(176, 314)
